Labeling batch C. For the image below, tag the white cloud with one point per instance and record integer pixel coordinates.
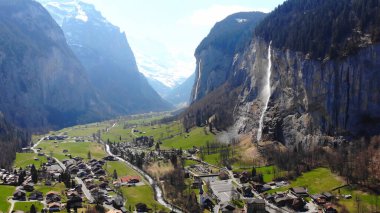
(209, 16)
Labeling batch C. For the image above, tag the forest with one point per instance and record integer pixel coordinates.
(322, 28)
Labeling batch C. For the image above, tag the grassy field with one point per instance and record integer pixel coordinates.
(323, 180)
(141, 194)
(316, 181)
(86, 130)
(25, 159)
(5, 192)
(116, 133)
(25, 206)
(121, 168)
(196, 137)
(75, 149)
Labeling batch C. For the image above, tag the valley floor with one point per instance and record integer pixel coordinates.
(203, 157)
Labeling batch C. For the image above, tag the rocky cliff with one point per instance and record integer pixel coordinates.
(42, 83)
(105, 53)
(311, 101)
(301, 96)
(217, 53)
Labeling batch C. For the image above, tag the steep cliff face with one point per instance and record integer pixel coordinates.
(293, 93)
(105, 53)
(311, 102)
(42, 84)
(217, 53)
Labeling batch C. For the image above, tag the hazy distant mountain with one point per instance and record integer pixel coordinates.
(180, 95)
(160, 87)
(42, 84)
(105, 53)
(163, 66)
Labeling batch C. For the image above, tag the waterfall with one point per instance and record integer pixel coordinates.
(266, 93)
(199, 78)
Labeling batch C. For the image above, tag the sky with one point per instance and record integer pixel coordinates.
(165, 33)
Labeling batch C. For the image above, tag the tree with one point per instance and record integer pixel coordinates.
(34, 174)
(253, 171)
(33, 209)
(21, 177)
(89, 155)
(115, 174)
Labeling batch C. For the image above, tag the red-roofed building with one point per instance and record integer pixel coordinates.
(130, 179)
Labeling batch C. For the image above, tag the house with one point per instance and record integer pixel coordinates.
(329, 209)
(130, 179)
(118, 202)
(54, 207)
(319, 199)
(36, 195)
(197, 183)
(75, 201)
(328, 196)
(110, 158)
(298, 204)
(100, 172)
(29, 187)
(227, 207)
(283, 200)
(19, 195)
(247, 191)
(141, 207)
(256, 206)
(103, 185)
(299, 191)
(52, 197)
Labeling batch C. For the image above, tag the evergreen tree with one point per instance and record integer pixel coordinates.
(253, 171)
(115, 174)
(33, 209)
(34, 174)
(89, 155)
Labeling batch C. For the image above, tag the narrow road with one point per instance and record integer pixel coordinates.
(157, 189)
(79, 181)
(86, 192)
(12, 202)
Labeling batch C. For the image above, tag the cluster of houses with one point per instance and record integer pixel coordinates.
(7, 177)
(223, 189)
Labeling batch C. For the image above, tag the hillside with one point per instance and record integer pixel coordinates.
(11, 140)
(284, 92)
(43, 84)
(110, 66)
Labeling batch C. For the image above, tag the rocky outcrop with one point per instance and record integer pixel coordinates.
(105, 53)
(42, 84)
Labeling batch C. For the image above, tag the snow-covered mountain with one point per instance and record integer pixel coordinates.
(107, 56)
(156, 62)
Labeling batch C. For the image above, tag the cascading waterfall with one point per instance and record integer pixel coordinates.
(199, 77)
(266, 93)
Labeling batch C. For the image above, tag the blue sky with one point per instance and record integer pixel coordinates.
(166, 32)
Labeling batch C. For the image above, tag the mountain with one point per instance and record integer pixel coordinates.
(160, 87)
(216, 86)
(216, 54)
(282, 89)
(43, 85)
(180, 95)
(105, 53)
